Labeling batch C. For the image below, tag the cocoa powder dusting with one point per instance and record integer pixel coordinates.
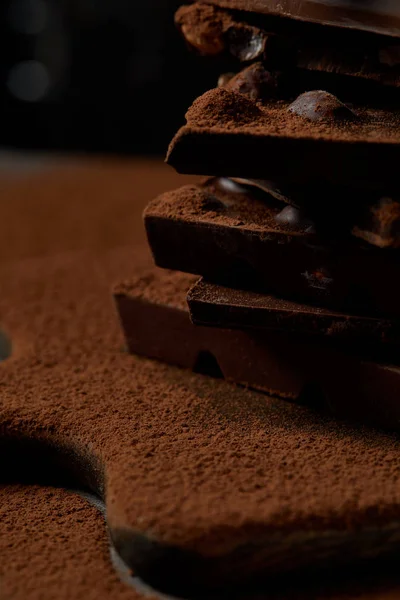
(225, 111)
(222, 107)
(187, 460)
(54, 544)
(210, 202)
(147, 287)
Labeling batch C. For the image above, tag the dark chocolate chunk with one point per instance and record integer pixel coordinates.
(212, 31)
(318, 105)
(285, 44)
(374, 64)
(220, 306)
(269, 187)
(368, 215)
(244, 245)
(156, 323)
(290, 215)
(229, 137)
(375, 16)
(254, 82)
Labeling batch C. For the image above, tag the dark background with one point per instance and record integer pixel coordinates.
(95, 75)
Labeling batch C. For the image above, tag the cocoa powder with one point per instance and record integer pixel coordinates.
(187, 460)
(222, 111)
(54, 544)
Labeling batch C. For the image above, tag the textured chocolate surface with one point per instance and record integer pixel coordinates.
(376, 16)
(54, 544)
(155, 320)
(216, 305)
(294, 46)
(180, 459)
(228, 134)
(236, 238)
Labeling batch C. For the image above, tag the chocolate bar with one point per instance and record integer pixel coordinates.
(155, 320)
(243, 241)
(378, 16)
(215, 305)
(228, 134)
(293, 45)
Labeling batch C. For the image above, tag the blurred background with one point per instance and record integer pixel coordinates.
(109, 76)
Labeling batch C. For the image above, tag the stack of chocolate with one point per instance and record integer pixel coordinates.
(296, 236)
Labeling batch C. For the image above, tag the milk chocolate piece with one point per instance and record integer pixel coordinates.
(237, 239)
(225, 136)
(377, 16)
(220, 306)
(300, 368)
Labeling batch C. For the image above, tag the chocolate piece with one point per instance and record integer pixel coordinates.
(203, 27)
(254, 82)
(211, 31)
(270, 188)
(287, 44)
(319, 105)
(368, 215)
(378, 65)
(226, 137)
(156, 323)
(377, 16)
(240, 242)
(194, 467)
(246, 43)
(220, 306)
(290, 215)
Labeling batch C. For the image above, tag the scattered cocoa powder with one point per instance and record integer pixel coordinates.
(171, 291)
(224, 111)
(188, 461)
(54, 544)
(223, 107)
(210, 202)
